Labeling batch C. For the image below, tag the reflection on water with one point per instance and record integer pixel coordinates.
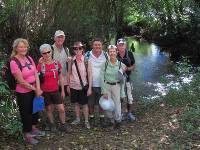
(151, 64)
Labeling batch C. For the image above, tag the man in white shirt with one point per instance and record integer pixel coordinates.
(97, 57)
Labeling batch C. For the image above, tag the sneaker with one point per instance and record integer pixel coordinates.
(63, 128)
(76, 122)
(37, 132)
(131, 117)
(29, 139)
(87, 125)
(52, 127)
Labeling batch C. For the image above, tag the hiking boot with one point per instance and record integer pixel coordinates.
(37, 132)
(87, 125)
(117, 125)
(50, 127)
(29, 139)
(63, 128)
(131, 117)
(75, 122)
(92, 121)
(102, 122)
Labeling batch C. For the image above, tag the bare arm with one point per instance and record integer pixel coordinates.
(18, 76)
(131, 68)
(90, 74)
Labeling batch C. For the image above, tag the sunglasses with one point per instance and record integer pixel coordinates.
(46, 53)
(78, 48)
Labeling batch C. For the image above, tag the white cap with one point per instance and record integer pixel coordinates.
(112, 46)
(59, 33)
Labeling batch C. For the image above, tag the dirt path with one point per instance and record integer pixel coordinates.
(155, 129)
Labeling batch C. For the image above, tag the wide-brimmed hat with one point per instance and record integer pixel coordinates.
(78, 44)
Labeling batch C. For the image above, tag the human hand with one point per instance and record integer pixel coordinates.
(68, 90)
(89, 91)
(62, 94)
(41, 60)
(69, 59)
(105, 96)
(38, 92)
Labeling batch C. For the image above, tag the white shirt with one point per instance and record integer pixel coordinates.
(96, 63)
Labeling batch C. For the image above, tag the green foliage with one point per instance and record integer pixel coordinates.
(190, 120)
(9, 118)
(188, 97)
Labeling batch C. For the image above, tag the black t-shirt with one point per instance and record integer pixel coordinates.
(128, 60)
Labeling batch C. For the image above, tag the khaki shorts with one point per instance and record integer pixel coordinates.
(129, 92)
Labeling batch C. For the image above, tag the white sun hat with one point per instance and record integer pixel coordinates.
(107, 104)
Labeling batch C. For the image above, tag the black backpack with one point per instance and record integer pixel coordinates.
(7, 74)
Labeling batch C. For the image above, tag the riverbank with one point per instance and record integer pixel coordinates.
(157, 127)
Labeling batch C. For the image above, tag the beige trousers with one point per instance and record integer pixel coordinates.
(114, 93)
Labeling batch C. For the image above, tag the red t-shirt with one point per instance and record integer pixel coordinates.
(51, 77)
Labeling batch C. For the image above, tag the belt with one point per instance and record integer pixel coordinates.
(112, 83)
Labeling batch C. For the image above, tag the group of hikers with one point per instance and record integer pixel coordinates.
(84, 76)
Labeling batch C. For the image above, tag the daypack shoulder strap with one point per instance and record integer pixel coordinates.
(127, 56)
(29, 59)
(87, 55)
(56, 65)
(17, 62)
(43, 68)
(105, 54)
(52, 51)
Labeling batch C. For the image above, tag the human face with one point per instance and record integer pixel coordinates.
(112, 53)
(97, 47)
(59, 40)
(22, 48)
(46, 54)
(78, 50)
(121, 48)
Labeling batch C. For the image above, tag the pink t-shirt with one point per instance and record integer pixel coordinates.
(51, 78)
(74, 79)
(28, 73)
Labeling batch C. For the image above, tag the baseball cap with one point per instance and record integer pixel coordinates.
(121, 41)
(59, 33)
(112, 46)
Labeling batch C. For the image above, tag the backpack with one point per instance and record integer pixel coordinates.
(7, 74)
(43, 70)
(87, 55)
(66, 51)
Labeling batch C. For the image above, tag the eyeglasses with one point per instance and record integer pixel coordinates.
(78, 48)
(46, 53)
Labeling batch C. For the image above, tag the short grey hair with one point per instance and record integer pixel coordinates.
(45, 46)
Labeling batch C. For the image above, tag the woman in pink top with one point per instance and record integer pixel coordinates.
(27, 87)
(79, 79)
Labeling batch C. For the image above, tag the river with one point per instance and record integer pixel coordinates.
(151, 65)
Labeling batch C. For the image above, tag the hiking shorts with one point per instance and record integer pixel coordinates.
(78, 96)
(52, 98)
(94, 98)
